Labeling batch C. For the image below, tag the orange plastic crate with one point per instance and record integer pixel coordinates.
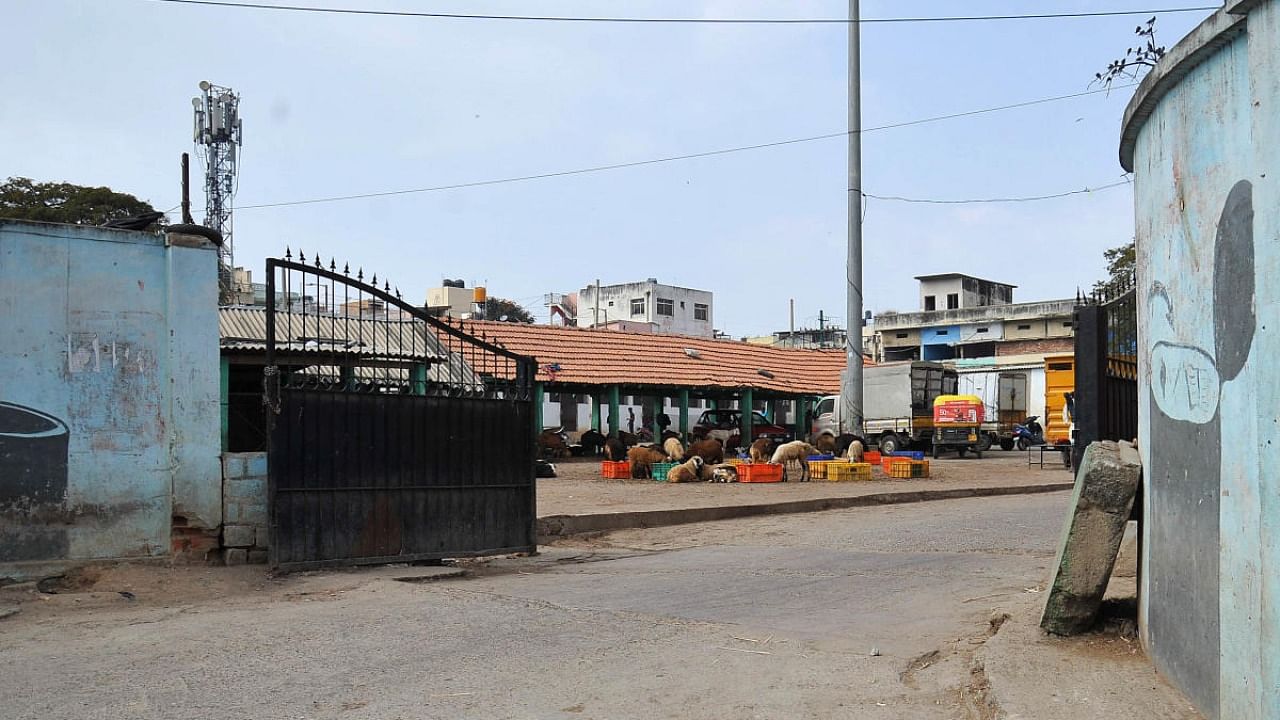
(871, 456)
(906, 468)
(615, 470)
(760, 473)
(818, 468)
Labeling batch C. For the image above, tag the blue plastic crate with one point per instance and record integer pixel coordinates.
(913, 454)
(815, 458)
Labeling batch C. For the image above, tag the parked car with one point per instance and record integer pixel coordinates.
(727, 426)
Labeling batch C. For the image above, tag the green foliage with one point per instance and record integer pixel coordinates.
(1121, 264)
(496, 308)
(24, 199)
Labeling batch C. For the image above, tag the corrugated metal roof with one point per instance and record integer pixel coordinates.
(245, 328)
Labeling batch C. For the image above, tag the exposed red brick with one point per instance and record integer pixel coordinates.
(1036, 347)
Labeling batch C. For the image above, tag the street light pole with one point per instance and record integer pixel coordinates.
(851, 383)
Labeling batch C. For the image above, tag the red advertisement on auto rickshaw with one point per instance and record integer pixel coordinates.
(958, 410)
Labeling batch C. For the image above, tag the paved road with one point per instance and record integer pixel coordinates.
(768, 617)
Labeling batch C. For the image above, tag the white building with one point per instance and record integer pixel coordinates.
(954, 291)
(452, 301)
(666, 308)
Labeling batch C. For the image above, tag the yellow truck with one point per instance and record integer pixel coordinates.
(1059, 379)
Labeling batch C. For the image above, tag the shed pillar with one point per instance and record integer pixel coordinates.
(419, 384)
(657, 401)
(615, 411)
(224, 393)
(684, 413)
(539, 395)
(746, 407)
(595, 412)
(802, 410)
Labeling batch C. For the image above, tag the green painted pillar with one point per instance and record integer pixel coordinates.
(684, 413)
(419, 383)
(657, 403)
(347, 376)
(715, 403)
(224, 393)
(746, 407)
(770, 407)
(595, 412)
(615, 409)
(539, 393)
(802, 409)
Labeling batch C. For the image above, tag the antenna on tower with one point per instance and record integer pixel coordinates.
(217, 135)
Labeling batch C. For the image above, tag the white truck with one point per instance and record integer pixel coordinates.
(897, 403)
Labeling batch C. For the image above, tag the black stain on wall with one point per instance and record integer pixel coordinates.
(1186, 472)
(33, 483)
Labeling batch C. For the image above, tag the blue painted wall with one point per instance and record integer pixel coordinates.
(111, 336)
(1203, 139)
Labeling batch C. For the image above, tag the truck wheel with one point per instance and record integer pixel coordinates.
(984, 442)
(1006, 444)
(889, 444)
(960, 451)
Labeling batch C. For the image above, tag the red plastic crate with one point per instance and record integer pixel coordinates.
(871, 456)
(760, 473)
(615, 470)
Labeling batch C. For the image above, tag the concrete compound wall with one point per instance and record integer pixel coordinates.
(244, 507)
(109, 402)
(1203, 139)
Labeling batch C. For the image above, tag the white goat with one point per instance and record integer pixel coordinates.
(674, 449)
(795, 451)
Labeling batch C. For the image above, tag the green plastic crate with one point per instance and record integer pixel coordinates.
(660, 471)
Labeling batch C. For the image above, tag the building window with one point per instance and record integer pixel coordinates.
(930, 303)
(701, 311)
(953, 301)
(666, 307)
(903, 336)
(943, 332)
(1024, 327)
(982, 330)
(637, 306)
(1066, 324)
(610, 303)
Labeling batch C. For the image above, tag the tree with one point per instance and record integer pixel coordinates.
(1137, 61)
(1121, 264)
(496, 308)
(24, 199)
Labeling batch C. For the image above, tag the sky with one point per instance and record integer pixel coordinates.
(339, 104)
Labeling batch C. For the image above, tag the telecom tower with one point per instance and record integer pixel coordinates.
(218, 136)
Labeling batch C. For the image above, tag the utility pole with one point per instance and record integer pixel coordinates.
(791, 338)
(595, 319)
(851, 382)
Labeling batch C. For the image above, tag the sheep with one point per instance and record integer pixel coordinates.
(795, 451)
(711, 450)
(686, 471)
(854, 451)
(724, 474)
(675, 449)
(824, 444)
(615, 450)
(760, 450)
(592, 442)
(642, 460)
(846, 441)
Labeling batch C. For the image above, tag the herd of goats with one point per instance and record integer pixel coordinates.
(702, 460)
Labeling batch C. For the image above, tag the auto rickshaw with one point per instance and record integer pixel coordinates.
(957, 421)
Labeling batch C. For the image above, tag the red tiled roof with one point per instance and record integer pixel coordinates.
(609, 357)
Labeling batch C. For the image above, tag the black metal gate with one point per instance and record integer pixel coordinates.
(394, 436)
(1106, 393)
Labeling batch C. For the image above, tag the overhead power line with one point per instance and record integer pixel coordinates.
(675, 158)
(976, 201)
(688, 20)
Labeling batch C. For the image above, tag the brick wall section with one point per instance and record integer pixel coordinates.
(1036, 347)
(244, 507)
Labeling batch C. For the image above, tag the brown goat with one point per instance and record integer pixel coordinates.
(551, 445)
(711, 451)
(761, 450)
(825, 444)
(642, 460)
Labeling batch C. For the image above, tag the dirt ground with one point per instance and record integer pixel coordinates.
(579, 489)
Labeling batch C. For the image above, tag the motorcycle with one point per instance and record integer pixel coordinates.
(1028, 432)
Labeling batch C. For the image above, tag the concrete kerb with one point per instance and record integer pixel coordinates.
(553, 527)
